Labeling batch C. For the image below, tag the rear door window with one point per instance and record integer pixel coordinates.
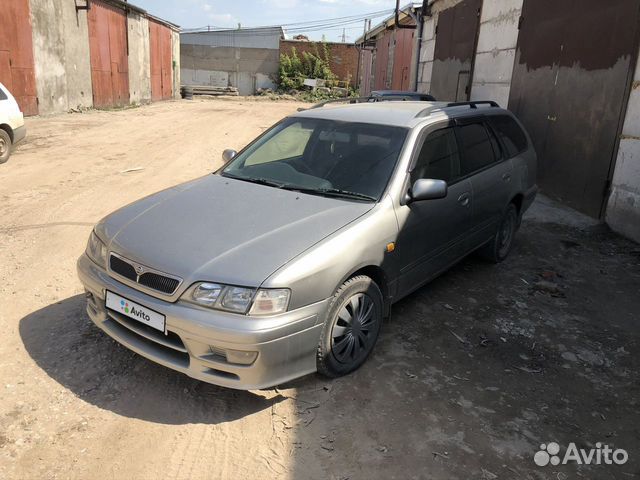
(438, 158)
(477, 148)
(510, 134)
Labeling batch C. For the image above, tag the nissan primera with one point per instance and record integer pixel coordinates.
(286, 260)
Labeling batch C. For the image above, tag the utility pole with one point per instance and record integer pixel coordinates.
(344, 35)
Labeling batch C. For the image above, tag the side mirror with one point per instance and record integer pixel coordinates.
(427, 189)
(228, 154)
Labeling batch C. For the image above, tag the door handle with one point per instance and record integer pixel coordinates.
(506, 177)
(464, 200)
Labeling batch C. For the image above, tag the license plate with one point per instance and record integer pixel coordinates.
(136, 311)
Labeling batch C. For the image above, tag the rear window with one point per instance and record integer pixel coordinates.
(478, 151)
(512, 136)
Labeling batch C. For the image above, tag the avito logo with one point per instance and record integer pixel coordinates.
(124, 306)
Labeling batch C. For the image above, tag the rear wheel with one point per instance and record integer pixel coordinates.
(499, 247)
(351, 328)
(5, 146)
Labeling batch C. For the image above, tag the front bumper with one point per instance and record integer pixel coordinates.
(198, 337)
(19, 133)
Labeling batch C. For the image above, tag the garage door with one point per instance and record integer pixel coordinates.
(402, 59)
(161, 61)
(382, 62)
(109, 59)
(456, 41)
(570, 82)
(16, 54)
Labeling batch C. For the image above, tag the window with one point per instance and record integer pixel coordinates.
(476, 144)
(321, 154)
(512, 136)
(3, 96)
(438, 157)
(289, 142)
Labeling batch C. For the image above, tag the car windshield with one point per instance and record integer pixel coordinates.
(322, 157)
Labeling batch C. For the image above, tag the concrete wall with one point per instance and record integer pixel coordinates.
(222, 66)
(496, 50)
(623, 208)
(343, 57)
(61, 56)
(427, 54)
(139, 59)
(175, 49)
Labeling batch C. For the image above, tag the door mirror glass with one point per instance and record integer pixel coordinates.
(428, 189)
(228, 154)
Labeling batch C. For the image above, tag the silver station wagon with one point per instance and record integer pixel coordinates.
(286, 260)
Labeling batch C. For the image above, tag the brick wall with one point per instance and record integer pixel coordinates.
(344, 56)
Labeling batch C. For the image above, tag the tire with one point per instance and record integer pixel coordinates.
(342, 349)
(500, 246)
(5, 146)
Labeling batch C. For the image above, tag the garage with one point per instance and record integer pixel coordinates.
(586, 46)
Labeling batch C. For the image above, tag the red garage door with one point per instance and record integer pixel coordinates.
(109, 60)
(402, 59)
(161, 61)
(16, 54)
(382, 61)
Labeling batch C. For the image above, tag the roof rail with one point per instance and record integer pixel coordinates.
(386, 98)
(473, 105)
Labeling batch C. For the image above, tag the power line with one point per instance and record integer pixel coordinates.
(297, 27)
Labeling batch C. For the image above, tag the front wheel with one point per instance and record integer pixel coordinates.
(351, 328)
(5, 146)
(500, 245)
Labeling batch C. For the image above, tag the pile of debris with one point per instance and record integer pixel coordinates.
(188, 91)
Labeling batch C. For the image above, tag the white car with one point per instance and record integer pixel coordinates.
(12, 128)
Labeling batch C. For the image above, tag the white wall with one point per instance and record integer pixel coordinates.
(623, 208)
(497, 40)
(139, 59)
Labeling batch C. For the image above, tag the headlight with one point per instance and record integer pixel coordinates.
(97, 250)
(238, 299)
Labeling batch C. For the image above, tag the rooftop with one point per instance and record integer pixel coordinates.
(394, 113)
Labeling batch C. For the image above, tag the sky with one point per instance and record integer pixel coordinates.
(252, 13)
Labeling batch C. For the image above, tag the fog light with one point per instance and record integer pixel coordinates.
(241, 357)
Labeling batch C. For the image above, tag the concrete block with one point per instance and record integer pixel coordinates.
(627, 171)
(494, 67)
(427, 52)
(499, 33)
(429, 31)
(496, 10)
(426, 71)
(139, 59)
(623, 213)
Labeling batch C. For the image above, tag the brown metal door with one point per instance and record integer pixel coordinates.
(16, 54)
(382, 62)
(367, 59)
(161, 61)
(402, 59)
(109, 56)
(572, 75)
(456, 39)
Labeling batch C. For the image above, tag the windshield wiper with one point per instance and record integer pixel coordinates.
(334, 192)
(258, 180)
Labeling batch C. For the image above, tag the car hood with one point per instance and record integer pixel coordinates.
(225, 230)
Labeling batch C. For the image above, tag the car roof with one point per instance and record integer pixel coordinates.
(407, 114)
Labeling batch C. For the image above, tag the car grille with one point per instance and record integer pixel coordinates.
(153, 280)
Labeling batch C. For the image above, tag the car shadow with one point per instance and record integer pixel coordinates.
(64, 342)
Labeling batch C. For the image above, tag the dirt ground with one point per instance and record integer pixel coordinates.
(471, 374)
